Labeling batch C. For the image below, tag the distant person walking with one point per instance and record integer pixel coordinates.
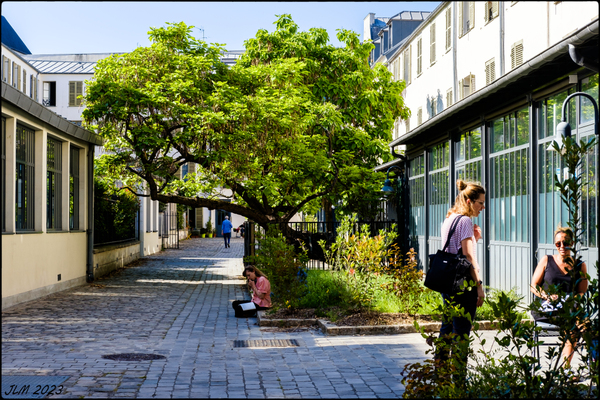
(227, 231)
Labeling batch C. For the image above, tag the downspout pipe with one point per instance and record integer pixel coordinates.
(90, 212)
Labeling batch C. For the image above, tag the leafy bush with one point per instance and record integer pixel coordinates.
(322, 290)
(114, 213)
(284, 268)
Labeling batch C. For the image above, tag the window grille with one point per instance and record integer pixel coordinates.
(516, 54)
(25, 178)
(509, 178)
(75, 90)
(490, 71)
(416, 185)
(54, 185)
(448, 29)
(419, 56)
(439, 202)
(432, 43)
(468, 159)
(74, 183)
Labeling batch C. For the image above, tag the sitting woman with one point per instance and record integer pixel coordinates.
(554, 270)
(261, 294)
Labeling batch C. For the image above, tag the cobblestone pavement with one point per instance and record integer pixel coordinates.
(178, 304)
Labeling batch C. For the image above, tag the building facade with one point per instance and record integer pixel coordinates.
(486, 83)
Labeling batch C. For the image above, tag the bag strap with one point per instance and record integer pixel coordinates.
(452, 229)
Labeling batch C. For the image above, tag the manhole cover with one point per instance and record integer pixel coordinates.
(32, 386)
(133, 357)
(266, 343)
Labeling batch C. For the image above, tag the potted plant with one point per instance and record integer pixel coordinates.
(203, 232)
(209, 228)
(214, 233)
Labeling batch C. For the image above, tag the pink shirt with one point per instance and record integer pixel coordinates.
(262, 286)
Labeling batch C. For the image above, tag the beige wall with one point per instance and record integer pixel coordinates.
(152, 243)
(31, 264)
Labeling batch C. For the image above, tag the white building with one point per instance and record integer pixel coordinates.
(485, 83)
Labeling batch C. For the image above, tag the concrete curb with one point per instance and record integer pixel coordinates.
(333, 330)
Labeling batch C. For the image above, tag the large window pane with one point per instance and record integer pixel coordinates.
(53, 184)
(25, 175)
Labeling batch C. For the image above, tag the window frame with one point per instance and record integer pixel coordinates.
(25, 179)
(53, 184)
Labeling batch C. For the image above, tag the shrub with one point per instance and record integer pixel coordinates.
(284, 268)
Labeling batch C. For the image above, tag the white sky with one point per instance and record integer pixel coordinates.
(102, 27)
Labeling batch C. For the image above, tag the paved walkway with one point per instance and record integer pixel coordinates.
(178, 304)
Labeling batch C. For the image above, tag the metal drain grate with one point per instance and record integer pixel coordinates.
(133, 357)
(266, 343)
(31, 386)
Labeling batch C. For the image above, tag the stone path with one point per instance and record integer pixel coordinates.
(178, 304)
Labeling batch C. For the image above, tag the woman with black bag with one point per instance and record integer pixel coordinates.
(469, 202)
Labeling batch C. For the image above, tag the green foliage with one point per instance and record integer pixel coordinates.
(114, 213)
(284, 268)
(295, 121)
(322, 290)
(360, 260)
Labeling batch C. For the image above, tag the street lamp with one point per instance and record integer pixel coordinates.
(563, 130)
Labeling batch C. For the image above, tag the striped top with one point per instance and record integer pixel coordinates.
(464, 230)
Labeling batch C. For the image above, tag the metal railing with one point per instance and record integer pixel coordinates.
(310, 233)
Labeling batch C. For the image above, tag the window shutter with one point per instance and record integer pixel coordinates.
(410, 63)
(78, 92)
(460, 90)
(495, 9)
(490, 71)
(471, 15)
(71, 94)
(432, 41)
(460, 18)
(420, 116)
(516, 54)
(472, 84)
(448, 98)
(18, 77)
(419, 54)
(448, 28)
(24, 81)
(486, 11)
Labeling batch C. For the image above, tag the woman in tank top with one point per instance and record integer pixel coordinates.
(554, 270)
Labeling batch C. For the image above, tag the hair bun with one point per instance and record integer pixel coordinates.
(461, 185)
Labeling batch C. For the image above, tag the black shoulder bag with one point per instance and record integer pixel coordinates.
(447, 272)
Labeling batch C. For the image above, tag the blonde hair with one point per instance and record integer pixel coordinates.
(257, 272)
(566, 230)
(466, 191)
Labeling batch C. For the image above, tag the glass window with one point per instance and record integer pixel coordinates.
(438, 187)
(510, 131)
(509, 178)
(25, 178)
(54, 185)
(416, 184)
(589, 86)
(74, 189)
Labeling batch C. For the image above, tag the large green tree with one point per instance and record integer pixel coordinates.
(295, 122)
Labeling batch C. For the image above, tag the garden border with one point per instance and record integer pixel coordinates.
(333, 330)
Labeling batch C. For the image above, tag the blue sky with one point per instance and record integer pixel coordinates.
(101, 27)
